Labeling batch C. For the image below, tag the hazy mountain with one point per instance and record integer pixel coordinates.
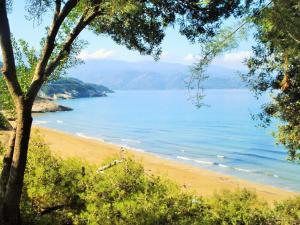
(120, 75)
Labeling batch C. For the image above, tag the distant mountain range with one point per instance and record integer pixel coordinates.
(121, 75)
(149, 75)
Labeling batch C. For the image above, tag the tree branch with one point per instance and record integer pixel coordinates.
(9, 66)
(49, 46)
(293, 37)
(57, 9)
(52, 209)
(113, 163)
(66, 49)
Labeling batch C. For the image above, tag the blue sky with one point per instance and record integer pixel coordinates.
(176, 49)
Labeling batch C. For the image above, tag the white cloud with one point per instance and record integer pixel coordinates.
(190, 58)
(99, 54)
(233, 60)
(236, 56)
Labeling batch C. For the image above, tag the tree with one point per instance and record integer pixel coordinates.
(274, 67)
(139, 25)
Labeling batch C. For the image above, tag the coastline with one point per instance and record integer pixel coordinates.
(201, 181)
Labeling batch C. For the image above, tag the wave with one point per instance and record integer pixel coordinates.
(197, 160)
(121, 145)
(243, 170)
(222, 165)
(269, 174)
(256, 156)
(268, 150)
(221, 156)
(204, 162)
(130, 141)
(59, 121)
(184, 158)
(88, 137)
(38, 122)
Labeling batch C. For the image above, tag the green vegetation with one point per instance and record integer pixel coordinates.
(274, 67)
(58, 191)
(137, 25)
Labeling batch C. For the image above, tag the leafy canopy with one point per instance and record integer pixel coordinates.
(273, 68)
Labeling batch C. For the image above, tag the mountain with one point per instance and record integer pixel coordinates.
(68, 87)
(121, 75)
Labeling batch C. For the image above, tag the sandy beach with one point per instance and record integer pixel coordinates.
(200, 181)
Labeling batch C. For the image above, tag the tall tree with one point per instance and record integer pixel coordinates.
(274, 67)
(137, 24)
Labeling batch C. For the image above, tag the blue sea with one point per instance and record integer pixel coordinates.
(220, 136)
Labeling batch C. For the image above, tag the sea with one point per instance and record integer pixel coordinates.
(220, 136)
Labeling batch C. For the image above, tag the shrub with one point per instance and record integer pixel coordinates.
(58, 191)
(288, 212)
(125, 194)
(241, 207)
(52, 186)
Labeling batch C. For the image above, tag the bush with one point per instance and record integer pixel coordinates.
(288, 212)
(52, 186)
(125, 194)
(241, 207)
(60, 191)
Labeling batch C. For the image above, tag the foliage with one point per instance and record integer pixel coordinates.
(275, 68)
(240, 207)
(58, 191)
(126, 195)
(50, 183)
(26, 61)
(288, 212)
(223, 41)
(6, 102)
(62, 191)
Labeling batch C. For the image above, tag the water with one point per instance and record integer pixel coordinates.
(221, 137)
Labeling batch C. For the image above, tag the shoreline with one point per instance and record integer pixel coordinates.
(201, 181)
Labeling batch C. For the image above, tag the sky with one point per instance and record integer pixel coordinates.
(176, 48)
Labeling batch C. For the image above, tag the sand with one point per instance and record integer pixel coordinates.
(190, 178)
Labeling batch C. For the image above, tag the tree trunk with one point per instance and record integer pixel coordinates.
(10, 214)
(7, 160)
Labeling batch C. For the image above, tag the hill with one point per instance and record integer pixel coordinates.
(73, 88)
(121, 75)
